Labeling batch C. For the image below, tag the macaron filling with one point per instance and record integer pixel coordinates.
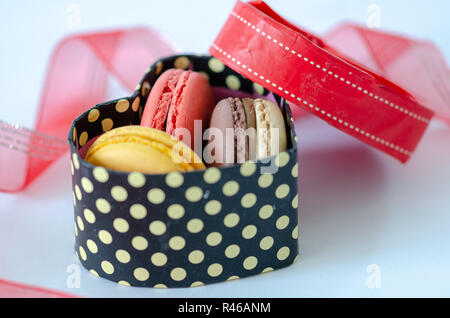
(240, 126)
(164, 104)
(250, 117)
(262, 129)
(177, 97)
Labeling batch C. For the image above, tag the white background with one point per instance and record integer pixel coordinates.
(358, 207)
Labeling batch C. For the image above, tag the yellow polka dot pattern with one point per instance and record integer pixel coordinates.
(250, 262)
(83, 253)
(249, 231)
(282, 222)
(282, 191)
(93, 272)
(247, 169)
(194, 194)
(195, 225)
(78, 192)
(232, 251)
(103, 206)
(105, 237)
(258, 89)
(123, 256)
(230, 188)
(178, 274)
(138, 211)
(93, 115)
(119, 193)
(145, 88)
(266, 243)
(231, 220)
(212, 175)
(159, 259)
(100, 174)
(136, 179)
(156, 196)
(174, 179)
(181, 229)
(135, 105)
(140, 243)
(265, 180)
(295, 202)
(283, 253)
(216, 65)
(123, 283)
(121, 225)
(87, 185)
(266, 211)
(282, 159)
(175, 211)
(107, 267)
(141, 274)
(197, 284)
(213, 207)
(182, 62)
(248, 200)
(159, 67)
(83, 138)
(215, 270)
(80, 223)
(107, 124)
(92, 246)
(122, 105)
(233, 82)
(177, 243)
(89, 216)
(196, 257)
(214, 239)
(157, 228)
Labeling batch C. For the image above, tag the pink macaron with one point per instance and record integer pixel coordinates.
(177, 99)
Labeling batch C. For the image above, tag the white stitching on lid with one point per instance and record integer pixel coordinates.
(329, 115)
(392, 105)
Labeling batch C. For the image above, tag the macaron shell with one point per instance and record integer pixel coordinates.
(143, 149)
(177, 98)
(222, 150)
(240, 127)
(277, 122)
(194, 103)
(262, 129)
(144, 159)
(269, 120)
(160, 99)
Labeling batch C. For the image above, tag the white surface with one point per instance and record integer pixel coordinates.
(358, 207)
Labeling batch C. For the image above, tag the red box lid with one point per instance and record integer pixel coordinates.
(265, 48)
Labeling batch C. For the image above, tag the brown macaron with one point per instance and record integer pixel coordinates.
(242, 130)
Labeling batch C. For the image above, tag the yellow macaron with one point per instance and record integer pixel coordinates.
(142, 149)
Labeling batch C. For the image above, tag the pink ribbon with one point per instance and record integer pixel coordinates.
(76, 80)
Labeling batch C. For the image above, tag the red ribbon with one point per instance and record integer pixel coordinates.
(10, 289)
(416, 65)
(258, 43)
(77, 79)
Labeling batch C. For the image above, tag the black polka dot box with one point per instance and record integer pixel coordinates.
(182, 229)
